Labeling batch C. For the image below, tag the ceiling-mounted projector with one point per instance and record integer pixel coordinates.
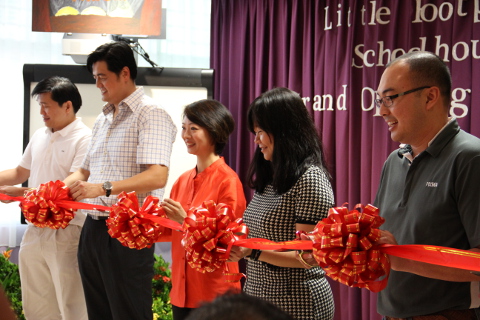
(80, 45)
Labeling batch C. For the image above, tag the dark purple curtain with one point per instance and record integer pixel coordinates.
(333, 53)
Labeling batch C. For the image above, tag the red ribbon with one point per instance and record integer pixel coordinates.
(133, 226)
(210, 232)
(265, 244)
(442, 256)
(343, 242)
(40, 206)
(343, 246)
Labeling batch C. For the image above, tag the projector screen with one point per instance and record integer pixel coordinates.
(173, 88)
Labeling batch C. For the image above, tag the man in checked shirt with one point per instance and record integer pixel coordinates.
(130, 151)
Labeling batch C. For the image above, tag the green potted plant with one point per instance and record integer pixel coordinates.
(10, 281)
(161, 285)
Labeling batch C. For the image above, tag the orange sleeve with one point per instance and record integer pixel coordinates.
(231, 193)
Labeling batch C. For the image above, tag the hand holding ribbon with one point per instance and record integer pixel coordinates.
(343, 243)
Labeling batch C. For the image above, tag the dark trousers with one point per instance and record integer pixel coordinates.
(180, 313)
(117, 280)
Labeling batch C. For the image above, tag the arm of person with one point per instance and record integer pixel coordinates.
(306, 256)
(286, 259)
(426, 269)
(79, 175)
(13, 191)
(154, 177)
(5, 307)
(174, 210)
(14, 176)
(230, 193)
(10, 177)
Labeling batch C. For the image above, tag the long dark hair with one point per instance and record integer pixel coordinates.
(282, 114)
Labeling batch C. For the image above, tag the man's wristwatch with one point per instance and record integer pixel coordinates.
(107, 186)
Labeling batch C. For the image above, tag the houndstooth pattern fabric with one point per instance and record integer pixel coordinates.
(305, 294)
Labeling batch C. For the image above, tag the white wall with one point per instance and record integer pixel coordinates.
(187, 46)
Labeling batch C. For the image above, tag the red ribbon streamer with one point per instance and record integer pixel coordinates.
(4, 197)
(50, 205)
(343, 242)
(265, 244)
(442, 256)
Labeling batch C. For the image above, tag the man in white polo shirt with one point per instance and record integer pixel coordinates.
(51, 285)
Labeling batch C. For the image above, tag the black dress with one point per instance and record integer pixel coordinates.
(303, 293)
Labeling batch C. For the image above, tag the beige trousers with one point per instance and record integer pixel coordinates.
(51, 284)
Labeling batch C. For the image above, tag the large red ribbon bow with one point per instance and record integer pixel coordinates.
(343, 245)
(133, 226)
(210, 232)
(41, 206)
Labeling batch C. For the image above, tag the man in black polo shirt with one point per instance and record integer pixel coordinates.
(429, 191)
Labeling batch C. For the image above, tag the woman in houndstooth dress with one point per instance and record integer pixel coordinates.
(292, 192)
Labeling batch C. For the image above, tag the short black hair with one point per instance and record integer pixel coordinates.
(61, 89)
(282, 114)
(428, 69)
(215, 118)
(116, 55)
(238, 306)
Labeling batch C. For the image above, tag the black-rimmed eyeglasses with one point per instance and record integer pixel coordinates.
(388, 100)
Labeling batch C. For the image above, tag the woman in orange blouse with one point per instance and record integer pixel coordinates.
(206, 127)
